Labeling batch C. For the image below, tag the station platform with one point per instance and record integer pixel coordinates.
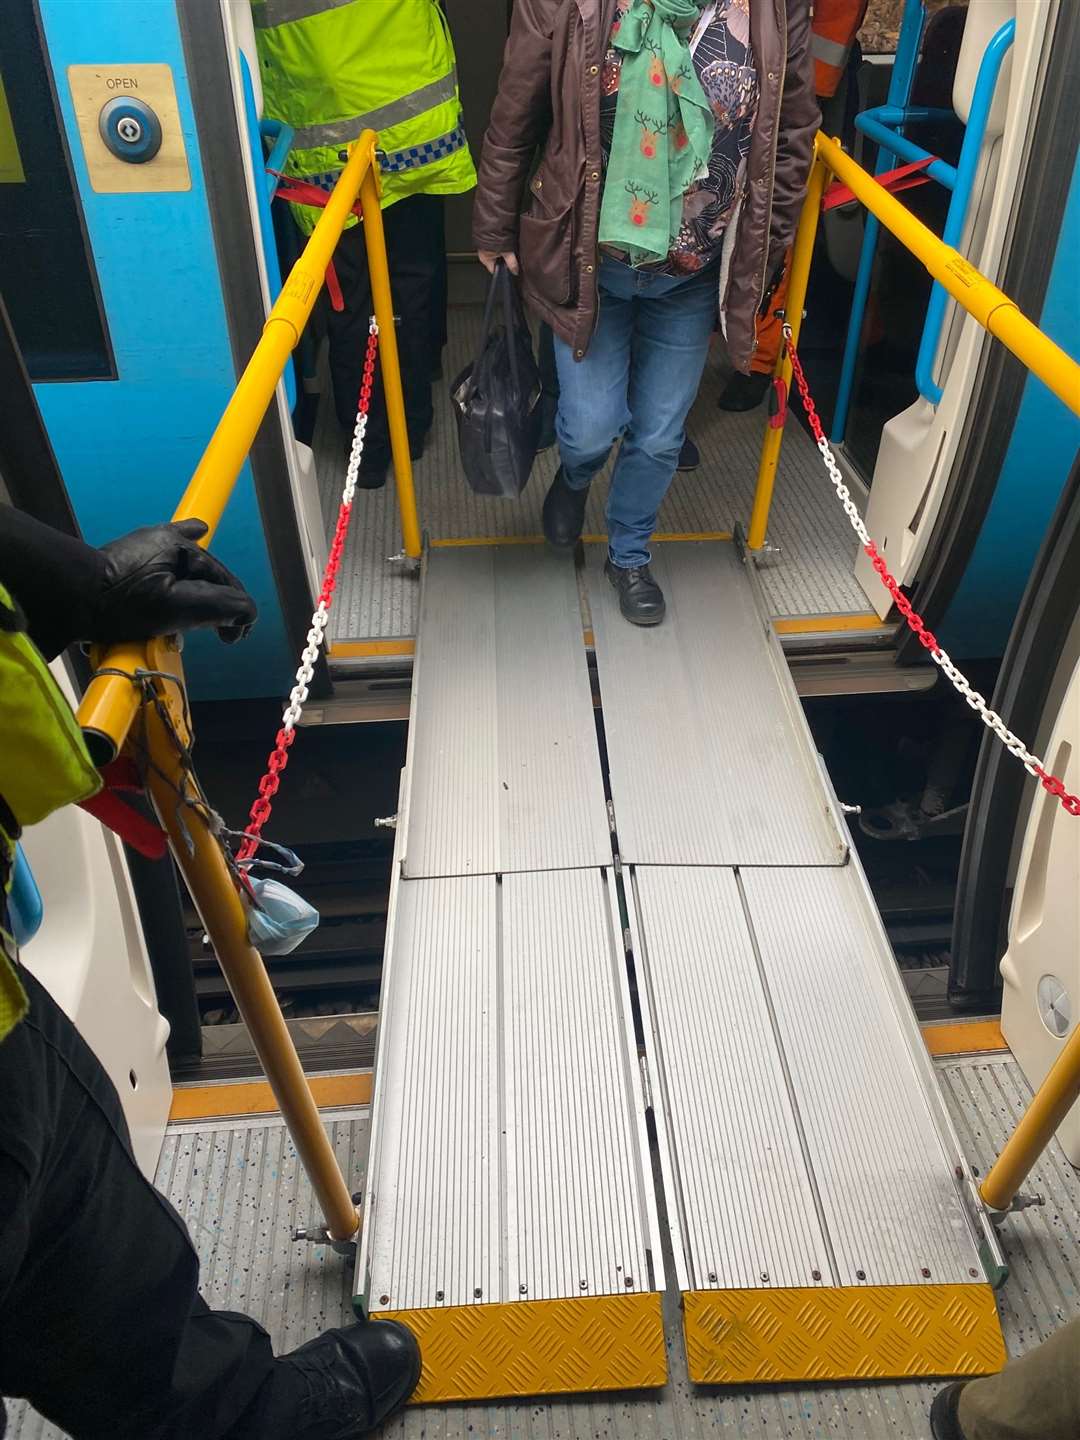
(233, 1174)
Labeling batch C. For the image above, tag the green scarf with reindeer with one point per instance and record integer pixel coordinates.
(663, 130)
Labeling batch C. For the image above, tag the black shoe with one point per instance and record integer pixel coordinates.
(945, 1413)
(640, 598)
(564, 513)
(418, 444)
(345, 1382)
(743, 392)
(689, 456)
(372, 474)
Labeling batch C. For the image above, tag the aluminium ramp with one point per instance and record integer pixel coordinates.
(820, 1221)
(510, 1217)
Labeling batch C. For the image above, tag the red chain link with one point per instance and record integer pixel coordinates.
(915, 623)
(279, 756)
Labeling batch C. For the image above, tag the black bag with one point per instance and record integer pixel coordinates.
(497, 398)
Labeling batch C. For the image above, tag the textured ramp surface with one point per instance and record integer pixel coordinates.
(510, 1162)
(709, 755)
(504, 767)
(299, 1290)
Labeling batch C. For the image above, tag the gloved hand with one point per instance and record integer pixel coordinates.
(772, 285)
(158, 581)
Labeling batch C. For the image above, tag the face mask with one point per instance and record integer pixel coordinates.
(281, 919)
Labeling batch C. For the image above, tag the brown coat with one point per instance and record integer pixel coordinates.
(549, 99)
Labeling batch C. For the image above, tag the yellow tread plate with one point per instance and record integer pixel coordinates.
(538, 1347)
(857, 1333)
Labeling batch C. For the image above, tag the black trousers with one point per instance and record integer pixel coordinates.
(102, 1327)
(416, 247)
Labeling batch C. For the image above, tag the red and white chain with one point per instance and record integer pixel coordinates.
(990, 718)
(279, 756)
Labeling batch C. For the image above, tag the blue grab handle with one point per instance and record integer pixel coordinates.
(25, 905)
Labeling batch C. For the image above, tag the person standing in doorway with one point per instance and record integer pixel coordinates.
(676, 140)
(331, 69)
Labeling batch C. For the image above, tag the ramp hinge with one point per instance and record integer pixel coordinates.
(611, 816)
(627, 940)
(385, 822)
(646, 1083)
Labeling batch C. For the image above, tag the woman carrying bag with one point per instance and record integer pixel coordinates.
(676, 140)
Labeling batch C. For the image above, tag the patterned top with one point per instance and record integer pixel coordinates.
(724, 61)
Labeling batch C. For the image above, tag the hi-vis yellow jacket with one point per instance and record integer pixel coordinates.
(333, 68)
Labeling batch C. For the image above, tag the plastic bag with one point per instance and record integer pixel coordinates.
(282, 920)
(497, 398)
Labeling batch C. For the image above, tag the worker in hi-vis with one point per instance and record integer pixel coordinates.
(102, 1327)
(331, 69)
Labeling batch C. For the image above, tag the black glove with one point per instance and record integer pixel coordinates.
(158, 581)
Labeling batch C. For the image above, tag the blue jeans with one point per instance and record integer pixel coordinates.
(638, 380)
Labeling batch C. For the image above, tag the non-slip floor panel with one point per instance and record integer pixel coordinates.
(709, 756)
(812, 575)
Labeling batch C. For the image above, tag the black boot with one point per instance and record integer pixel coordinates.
(640, 598)
(944, 1413)
(689, 456)
(743, 392)
(341, 1384)
(564, 513)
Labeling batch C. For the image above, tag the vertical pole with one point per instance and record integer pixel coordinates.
(200, 860)
(903, 72)
(802, 255)
(1053, 1100)
(383, 304)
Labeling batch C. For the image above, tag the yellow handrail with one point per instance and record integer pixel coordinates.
(114, 699)
(111, 702)
(979, 296)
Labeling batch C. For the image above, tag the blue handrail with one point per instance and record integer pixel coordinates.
(881, 125)
(281, 136)
(264, 193)
(904, 62)
(981, 101)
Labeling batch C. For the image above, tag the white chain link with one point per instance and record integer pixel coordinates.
(321, 618)
(990, 718)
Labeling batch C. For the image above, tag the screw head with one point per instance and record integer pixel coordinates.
(925, 1273)
(712, 1277)
(584, 1284)
(973, 1272)
(439, 1294)
(628, 1282)
(384, 1299)
(816, 1274)
(764, 1277)
(477, 1293)
(860, 1274)
(523, 1289)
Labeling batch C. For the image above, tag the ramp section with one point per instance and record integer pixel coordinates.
(710, 759)
(503, 767)
(817, 1225)
(509, 1217)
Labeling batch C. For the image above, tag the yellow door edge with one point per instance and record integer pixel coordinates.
(830, 624)
(538, 1347)
(863, 1332)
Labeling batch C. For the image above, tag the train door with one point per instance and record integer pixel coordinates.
(138, 278)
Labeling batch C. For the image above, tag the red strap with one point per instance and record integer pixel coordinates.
(904, 177)
(778, 398)
(135, 829)
(333, 288)
(302, 192)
